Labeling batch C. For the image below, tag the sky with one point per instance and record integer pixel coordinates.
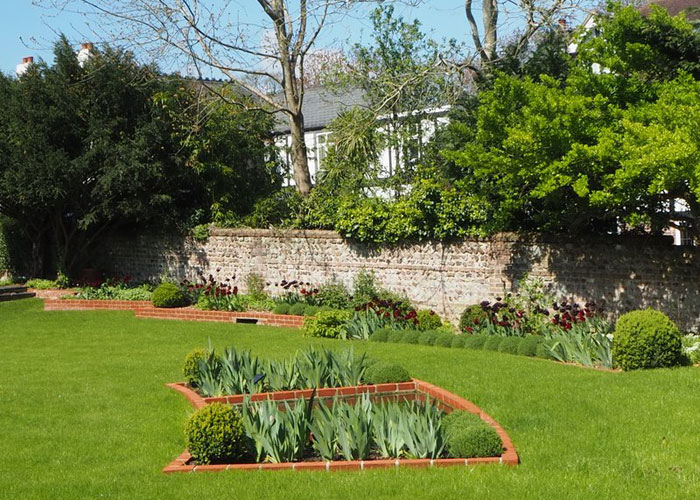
(30, 30)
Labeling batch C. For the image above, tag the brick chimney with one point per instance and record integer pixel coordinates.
(22, 68)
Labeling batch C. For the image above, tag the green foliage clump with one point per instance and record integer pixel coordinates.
(469, 437)
(381, 335)
(215, 433)
(282, 308)
(192, 369)
(510, 345)
(411, 337)
(329, 324)
(333, 294)
(528, 346)
(458, 341)
(475, 341)
(396, 336)
(297, 309)
(427, 338)
(169, 295)
(41, 284)
(311, 310)
(444, 339)
(472, 317)
(364, 287)
(428, 320)
(646, 339)
(386, 373)
(492, 343)
(256, 286)
(543, 350)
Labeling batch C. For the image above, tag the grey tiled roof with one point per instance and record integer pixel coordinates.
(675, 7)
(320, 106)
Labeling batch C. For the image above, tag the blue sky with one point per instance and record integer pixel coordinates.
(28, 30)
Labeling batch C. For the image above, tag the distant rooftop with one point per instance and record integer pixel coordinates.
(321, 106)
(691, 8)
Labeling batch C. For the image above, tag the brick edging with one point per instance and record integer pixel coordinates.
(144, 309)
(447, 399)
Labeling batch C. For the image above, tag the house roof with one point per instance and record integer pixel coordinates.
(691, 8)
(321, 106)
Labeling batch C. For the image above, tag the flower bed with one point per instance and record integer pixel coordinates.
(416, 390)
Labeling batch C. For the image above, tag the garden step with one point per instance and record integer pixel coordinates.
(12, 289)
(7, 296)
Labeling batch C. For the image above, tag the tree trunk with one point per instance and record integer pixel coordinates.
(300, 161)
(489, 9)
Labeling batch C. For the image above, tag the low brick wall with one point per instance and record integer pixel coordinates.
(620, 273)
(144, 309)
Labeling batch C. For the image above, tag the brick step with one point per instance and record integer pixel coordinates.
(12, 289)
(6, 297)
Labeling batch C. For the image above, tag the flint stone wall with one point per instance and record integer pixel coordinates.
(620, 273)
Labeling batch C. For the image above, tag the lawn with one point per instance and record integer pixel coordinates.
(85, 413)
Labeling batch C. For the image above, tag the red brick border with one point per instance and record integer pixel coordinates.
(416, 389)
(144, 309)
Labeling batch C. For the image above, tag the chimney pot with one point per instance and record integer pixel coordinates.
(87, 45)
(27, 60)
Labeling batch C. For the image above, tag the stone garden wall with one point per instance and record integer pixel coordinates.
(620, 273)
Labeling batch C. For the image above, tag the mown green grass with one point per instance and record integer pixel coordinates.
(84, 413)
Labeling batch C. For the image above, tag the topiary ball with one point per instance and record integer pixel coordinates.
(297, 309)
(492, 343)
(386, 373)
(428, 320)
(510, 345)
(472, 317)
(396, 336)
(458, 341)
(381, 335)
(427, 338)
(282, 308)
(411, 337)
(468, 436)
(311, 310)
(528, 346)
(444, 339)
(191, 368)
(475, 341)
(169, 295)
(646, 339)
(215, 433)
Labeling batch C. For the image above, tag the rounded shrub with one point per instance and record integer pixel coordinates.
(444, 339)
(381, 335)
(427, 338)
(386, 373)
(329, 324)
(282, 308)
(215, 433)
(646, 339)
(475, 341)
(311, 310)
(458, 341)
(191, 368)
(468, 436)
(528, 345)
(510, 345)
(396, 336)
(411, 337)
(492, 342)
(169, 295)
(428, 319)
(472, 317)
(297, 309)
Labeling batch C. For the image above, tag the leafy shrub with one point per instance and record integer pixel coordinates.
(311, 310)
(364, 287)
(334, 294)
(470, 437)
(528, 346)
(381, 335)
(169, 295)
(475, 341)
(458, 341)
(215, 433)
(386, 373)
(192, 368)
(472, 317)
(297, 309)
(41, 284)
(256, 286)
(329, 324)
(428, 320)
(396, 336)
(510, 345)
(142, 292)
(646, 339)
(411, 337)
(282, 308)
(444, 339)
(492, 343)
(427, 338)
(691, 348)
